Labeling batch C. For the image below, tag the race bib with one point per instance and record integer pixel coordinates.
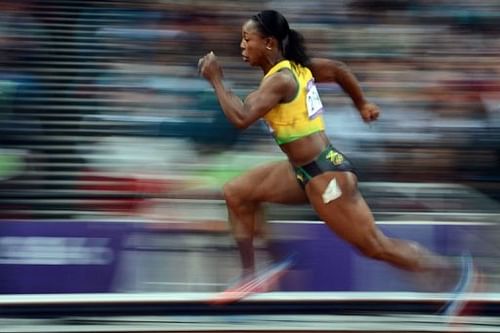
(313, 101)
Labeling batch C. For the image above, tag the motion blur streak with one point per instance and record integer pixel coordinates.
(113, 150)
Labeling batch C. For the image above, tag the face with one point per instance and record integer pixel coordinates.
(252, 45)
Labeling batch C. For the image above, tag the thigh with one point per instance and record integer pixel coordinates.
(273, 183)
(348, 215)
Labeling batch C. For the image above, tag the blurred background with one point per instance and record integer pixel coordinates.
(113, 150)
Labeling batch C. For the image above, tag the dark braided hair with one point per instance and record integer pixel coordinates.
(271, 23)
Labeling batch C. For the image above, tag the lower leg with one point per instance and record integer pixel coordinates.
(245, 232)
(407, 255)
(244, 196)
(247, 255)
(263, 231)
(438, 273)
(242, 227)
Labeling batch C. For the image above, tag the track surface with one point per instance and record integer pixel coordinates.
(273, 312)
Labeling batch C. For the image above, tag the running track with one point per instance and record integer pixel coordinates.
(272, 312)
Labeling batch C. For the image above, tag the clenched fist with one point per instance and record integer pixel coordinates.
(369, 112)
(209, 68)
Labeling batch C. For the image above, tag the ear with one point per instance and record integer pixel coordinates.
(270, 43)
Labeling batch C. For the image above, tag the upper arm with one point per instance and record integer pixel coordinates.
(272, 91)
(325, 70)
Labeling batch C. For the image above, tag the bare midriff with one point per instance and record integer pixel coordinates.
(306, 149)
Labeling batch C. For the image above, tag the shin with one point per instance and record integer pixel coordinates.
(242, 221)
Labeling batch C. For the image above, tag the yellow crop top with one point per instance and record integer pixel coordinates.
(301, 116)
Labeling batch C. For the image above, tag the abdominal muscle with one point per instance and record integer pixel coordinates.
(306, 149)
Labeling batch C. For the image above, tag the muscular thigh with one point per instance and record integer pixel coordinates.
(274, 183)
(348, 215)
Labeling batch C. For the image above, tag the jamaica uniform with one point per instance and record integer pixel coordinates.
(300, 117)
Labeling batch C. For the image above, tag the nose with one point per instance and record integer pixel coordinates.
(242, 44)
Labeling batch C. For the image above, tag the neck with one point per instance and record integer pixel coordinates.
(271, 61)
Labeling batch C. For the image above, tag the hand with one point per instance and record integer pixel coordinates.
(369, 112)
(209, 68)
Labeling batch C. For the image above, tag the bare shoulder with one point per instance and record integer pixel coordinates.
(282, 80)
(284, 76)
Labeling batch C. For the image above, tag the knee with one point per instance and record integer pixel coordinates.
(233, 194)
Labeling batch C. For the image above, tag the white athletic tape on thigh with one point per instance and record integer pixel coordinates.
(332, 191)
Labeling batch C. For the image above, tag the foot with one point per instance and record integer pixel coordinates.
(262, 281)
(470, 281)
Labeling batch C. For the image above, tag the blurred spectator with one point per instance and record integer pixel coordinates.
(20, 37)
(79, 77)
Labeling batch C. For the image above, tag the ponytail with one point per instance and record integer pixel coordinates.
(294, 48)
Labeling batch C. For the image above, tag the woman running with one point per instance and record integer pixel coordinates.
(314, 172)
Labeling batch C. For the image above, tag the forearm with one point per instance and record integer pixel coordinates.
(231, 105)
(348, 82)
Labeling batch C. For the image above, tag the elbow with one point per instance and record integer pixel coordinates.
(243, 119)
(238, 121)
(241, 126)
(341, 70)
(236, 118)
(339, 65)
(241, 123)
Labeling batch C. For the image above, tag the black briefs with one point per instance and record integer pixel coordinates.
(330, 159)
